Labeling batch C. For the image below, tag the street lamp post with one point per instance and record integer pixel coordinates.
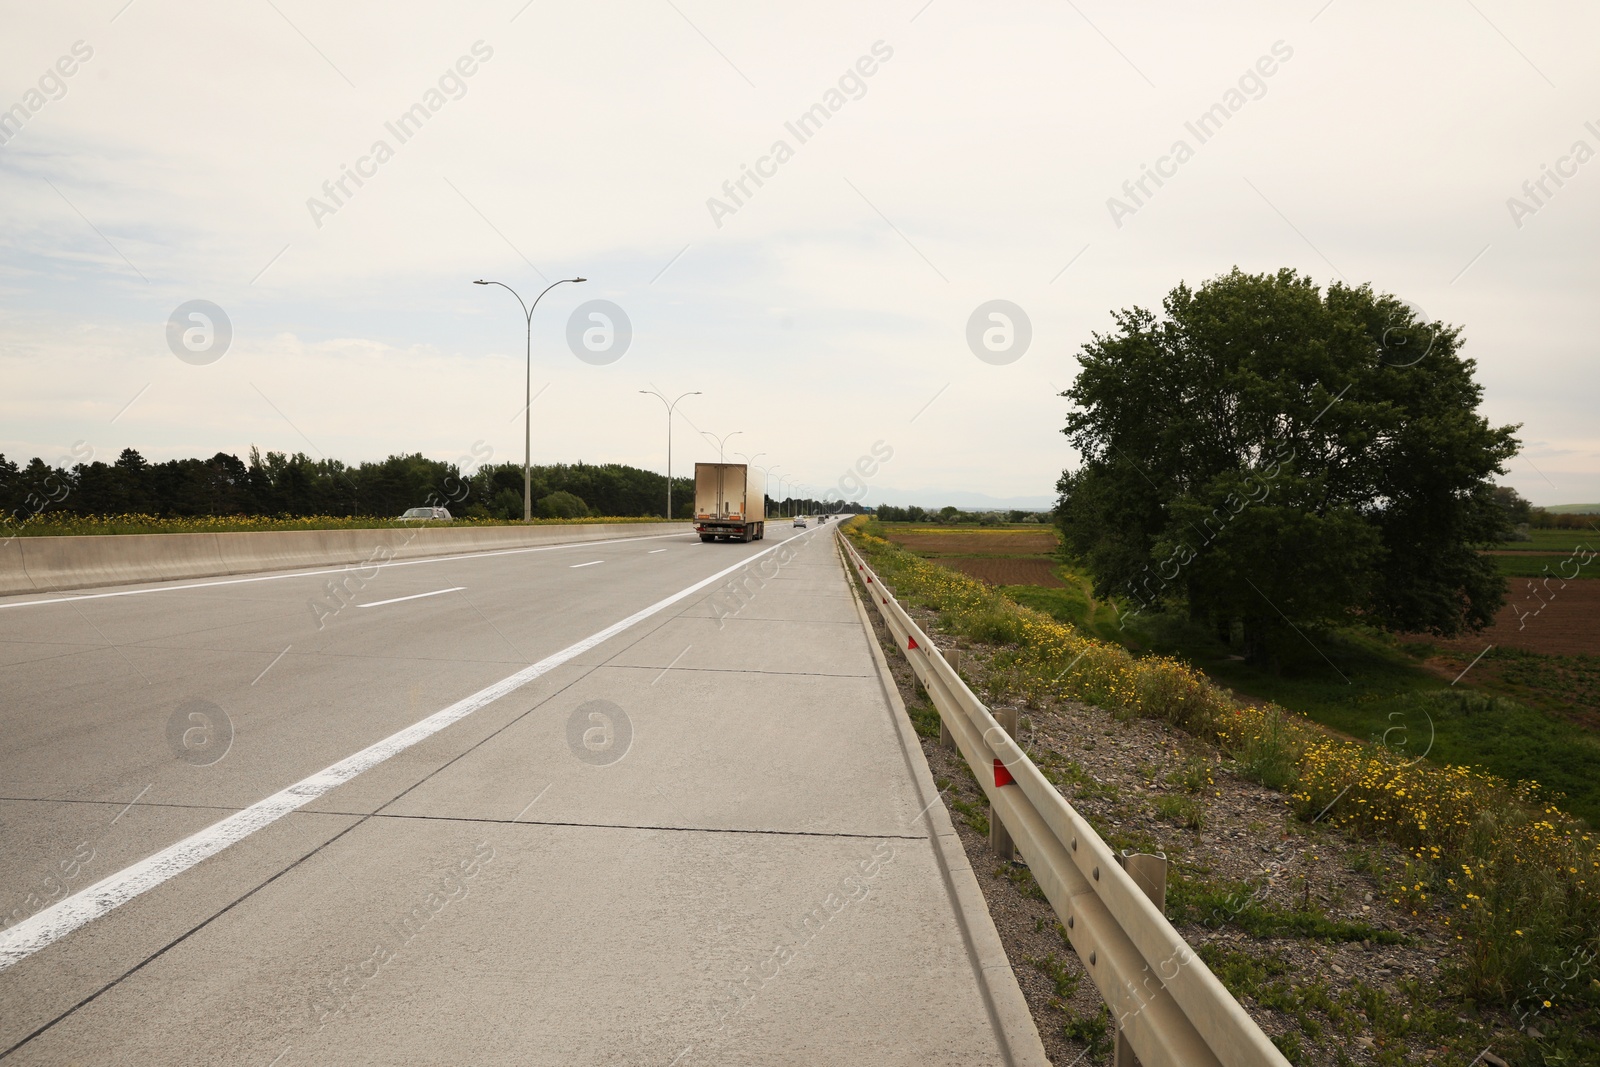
(721, 474)
(670, 406)
(527, 407)
(720, 441)
(764, 471)
(768, 484)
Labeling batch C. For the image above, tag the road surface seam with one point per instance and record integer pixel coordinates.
(180, 939)
(360, 820)
(842, 834)
(45, 927)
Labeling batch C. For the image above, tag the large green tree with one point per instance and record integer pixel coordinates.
(1271, 454)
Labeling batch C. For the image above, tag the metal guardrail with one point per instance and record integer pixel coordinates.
(1168, 1008)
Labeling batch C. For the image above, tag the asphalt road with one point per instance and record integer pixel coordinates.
(532, 807)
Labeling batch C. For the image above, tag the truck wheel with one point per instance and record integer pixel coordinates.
(707, 538)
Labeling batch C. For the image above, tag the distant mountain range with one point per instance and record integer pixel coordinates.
(1574, 509)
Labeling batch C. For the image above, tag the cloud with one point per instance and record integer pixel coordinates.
(975, 168)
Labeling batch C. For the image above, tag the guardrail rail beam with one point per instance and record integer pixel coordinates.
(1169, 1010)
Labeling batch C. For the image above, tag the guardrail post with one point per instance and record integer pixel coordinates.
(999, 836)
(947, 740)
(1149, 873)
(1199, 1022)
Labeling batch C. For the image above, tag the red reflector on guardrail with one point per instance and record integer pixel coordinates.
(869, 579)
(1001, 775)
(911, 644)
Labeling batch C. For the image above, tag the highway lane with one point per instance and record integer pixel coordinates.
(92, 684)
(749, 752)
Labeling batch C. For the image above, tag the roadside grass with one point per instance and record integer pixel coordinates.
(1401, 1024)
(1519, 877)
(1518, 723)
(1214, 905)
(1075, 605)
(1371, 688)
(53, 524)
(1558, 685)
(1561, 555)
(1561, 541)
(1542, 565)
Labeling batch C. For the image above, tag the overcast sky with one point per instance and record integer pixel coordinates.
(194, 153)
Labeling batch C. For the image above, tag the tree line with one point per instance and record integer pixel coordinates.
(296, 485)
(952, 515)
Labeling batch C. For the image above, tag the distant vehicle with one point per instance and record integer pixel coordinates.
(800, 522)
(425, 515)
(728, 503)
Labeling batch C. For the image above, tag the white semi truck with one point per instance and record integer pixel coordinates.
(729, 504)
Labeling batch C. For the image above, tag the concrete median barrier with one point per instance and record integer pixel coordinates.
(52, 564)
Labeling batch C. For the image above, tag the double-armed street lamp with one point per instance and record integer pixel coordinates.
(720, 440)
(721, 474)
(751, 461)
(670, 407)
(527, 408)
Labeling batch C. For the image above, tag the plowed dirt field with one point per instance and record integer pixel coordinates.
(1562, 619)
(1004, 571)
(994, 543)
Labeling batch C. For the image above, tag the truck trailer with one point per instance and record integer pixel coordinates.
(729, 504)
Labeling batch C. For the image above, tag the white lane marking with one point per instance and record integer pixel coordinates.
(591, 563)
(45, 927)
(413, 596)
(335, 570)
(653, 551)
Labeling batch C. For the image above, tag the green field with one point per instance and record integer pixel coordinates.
(1562, 541)
(1366, 684)
(1550, 553)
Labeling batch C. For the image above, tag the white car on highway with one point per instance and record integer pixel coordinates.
(425, 515)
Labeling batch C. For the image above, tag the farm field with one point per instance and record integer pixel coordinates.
(1031, 539)
(1550, 553)
(1561, 541)
(1528, 707)
(1004, 556)
(1005, 570)
(1550, 617)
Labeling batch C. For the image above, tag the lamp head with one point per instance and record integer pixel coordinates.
(480, 281)
(577, 279)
